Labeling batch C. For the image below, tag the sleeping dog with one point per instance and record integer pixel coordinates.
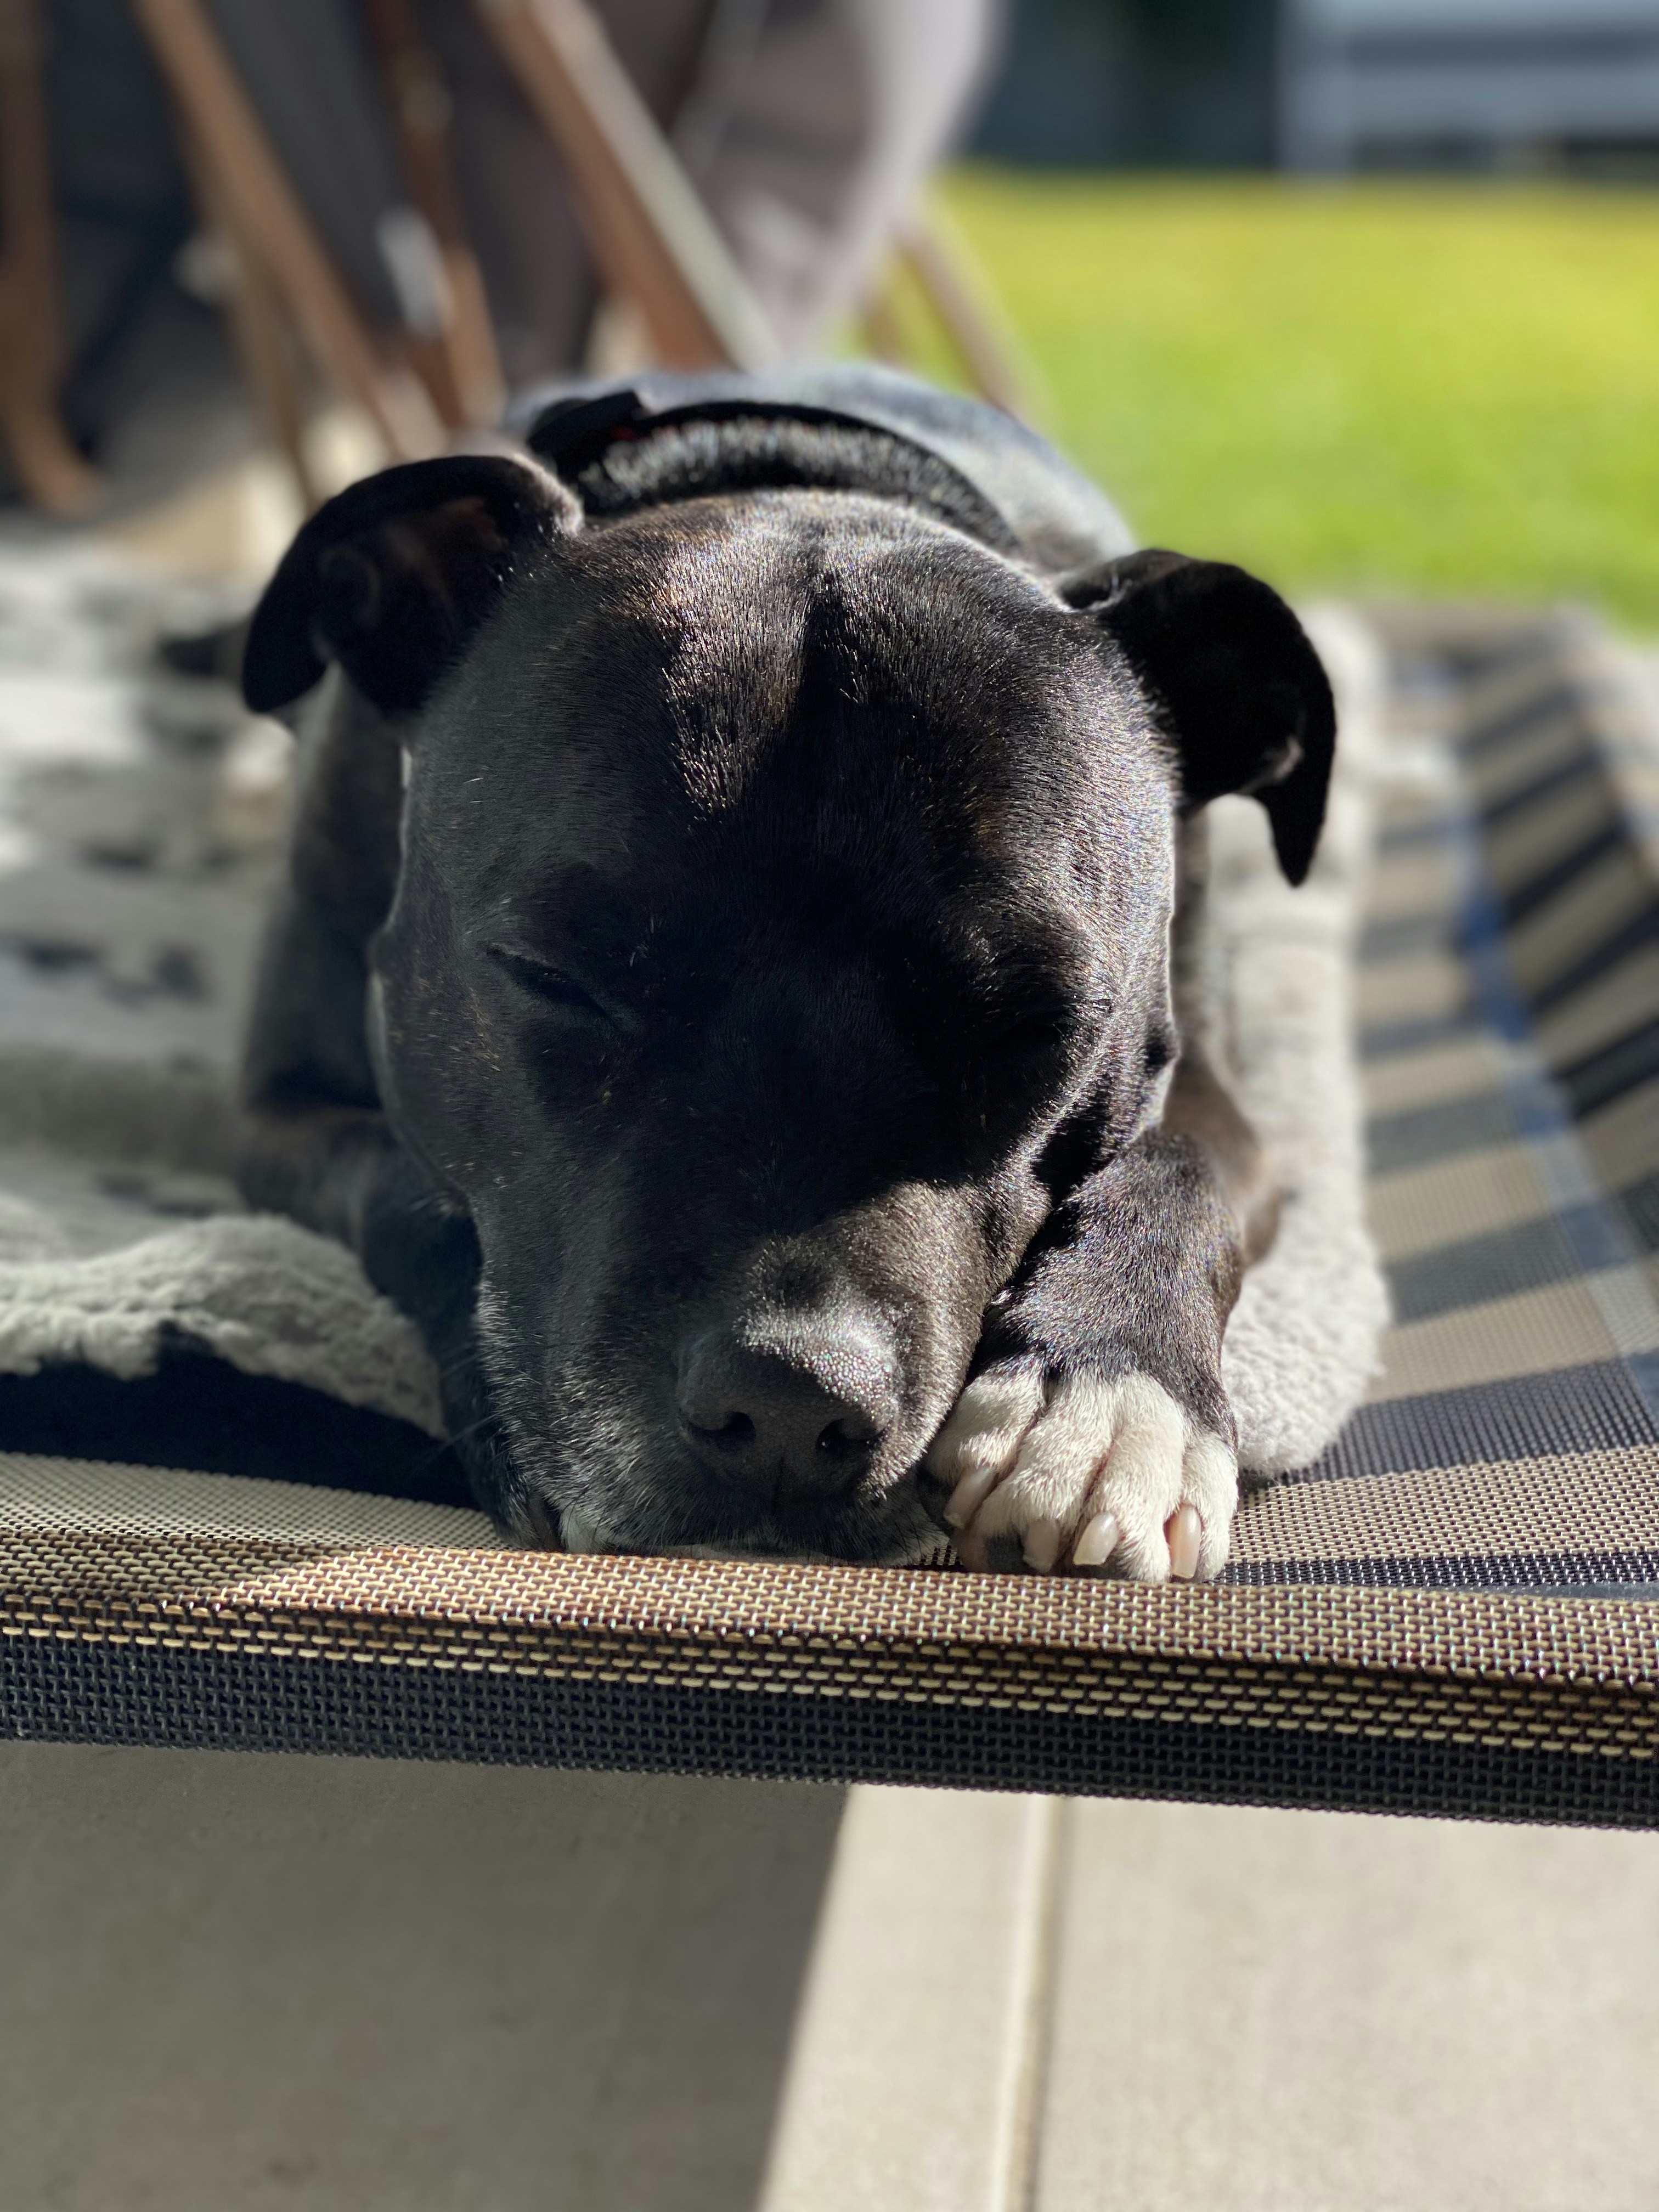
(728, 981)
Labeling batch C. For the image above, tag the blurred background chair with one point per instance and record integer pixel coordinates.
(414, 207)
(48, 467)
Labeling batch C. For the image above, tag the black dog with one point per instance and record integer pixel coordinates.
(728, 986)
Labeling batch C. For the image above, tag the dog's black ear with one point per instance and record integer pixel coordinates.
(392, 577)
(1243, 696)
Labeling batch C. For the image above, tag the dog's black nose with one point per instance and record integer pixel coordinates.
(805, 1406)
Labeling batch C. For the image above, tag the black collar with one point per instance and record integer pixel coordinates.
(619, 454)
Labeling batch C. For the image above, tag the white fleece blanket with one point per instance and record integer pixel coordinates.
(138, 827)
(1302, 1341)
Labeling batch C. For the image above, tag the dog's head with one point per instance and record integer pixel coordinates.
(781, 923)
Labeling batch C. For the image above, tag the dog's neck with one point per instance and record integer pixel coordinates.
(618, 467)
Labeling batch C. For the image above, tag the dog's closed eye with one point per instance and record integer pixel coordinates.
(1035, 1025)
(550, 984)
(1024, 1035)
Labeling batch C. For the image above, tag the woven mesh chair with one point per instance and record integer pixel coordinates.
(1451, 1612)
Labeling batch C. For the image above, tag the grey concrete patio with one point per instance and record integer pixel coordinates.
(235, 1983)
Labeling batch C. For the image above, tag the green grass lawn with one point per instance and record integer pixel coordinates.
(1431, 387)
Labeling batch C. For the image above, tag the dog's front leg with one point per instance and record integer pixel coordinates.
(341, 1172)
(1095, 1432)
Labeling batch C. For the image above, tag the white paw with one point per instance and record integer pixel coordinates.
(1094, 1473)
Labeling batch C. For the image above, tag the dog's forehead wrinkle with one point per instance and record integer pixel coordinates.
(732, 618)
(771, 622)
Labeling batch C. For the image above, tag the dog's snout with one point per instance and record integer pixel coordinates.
(805, 1407)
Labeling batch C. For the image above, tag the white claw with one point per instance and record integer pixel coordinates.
(1184, 1534)
(1042, 1544)
(1095, 1545)
(969, 1494)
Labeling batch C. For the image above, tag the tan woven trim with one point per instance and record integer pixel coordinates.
(1403, 1665)
(1309, 1701)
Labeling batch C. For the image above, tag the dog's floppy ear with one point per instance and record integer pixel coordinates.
(392, 577)
(1245, 701)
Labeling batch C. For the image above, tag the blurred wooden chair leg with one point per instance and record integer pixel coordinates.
(654, 240)
(883, 331)
(263, 342)
(948, 278)
(51, 473)
(420, 112)
(267, 216)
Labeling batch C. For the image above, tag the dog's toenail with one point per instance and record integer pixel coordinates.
(1042, 1544)
(970, 1550)
(968, 1497)
(1097, 1543)
(1184, 1530)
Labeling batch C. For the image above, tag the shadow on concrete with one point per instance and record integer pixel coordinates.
(280, 1981)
